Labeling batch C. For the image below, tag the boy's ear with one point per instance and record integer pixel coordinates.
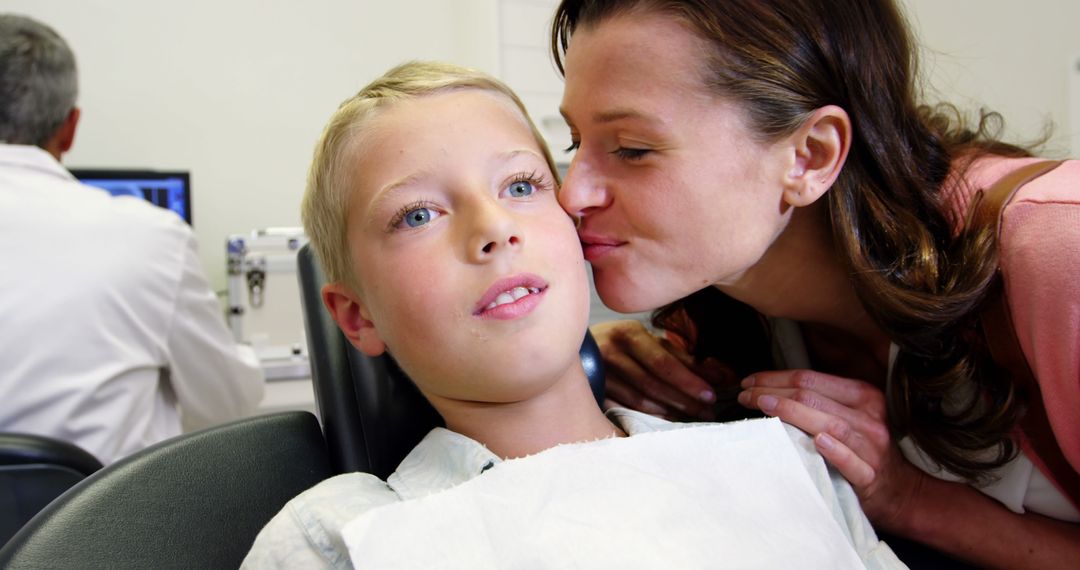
(817, 152)
(353, 318)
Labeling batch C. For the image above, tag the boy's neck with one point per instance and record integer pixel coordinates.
(565, 413)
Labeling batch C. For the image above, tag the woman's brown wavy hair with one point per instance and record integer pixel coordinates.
(921, 281)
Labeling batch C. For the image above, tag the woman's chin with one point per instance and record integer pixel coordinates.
(620, 293)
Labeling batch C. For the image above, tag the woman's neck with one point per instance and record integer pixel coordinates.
(566, 412)
(802, 277)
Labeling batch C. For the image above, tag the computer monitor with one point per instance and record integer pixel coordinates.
(169, 190)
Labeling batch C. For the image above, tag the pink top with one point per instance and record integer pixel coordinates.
(1040, 261)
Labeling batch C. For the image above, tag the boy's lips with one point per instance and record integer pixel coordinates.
(511, 297)
(595, 246)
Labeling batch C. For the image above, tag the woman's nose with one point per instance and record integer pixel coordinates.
(582, 190)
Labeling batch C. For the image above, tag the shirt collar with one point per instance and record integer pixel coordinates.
(443, 459)
(33, 159)
(633, 422)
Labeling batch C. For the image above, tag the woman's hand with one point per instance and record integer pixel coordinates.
(847, 420)
(652, 374)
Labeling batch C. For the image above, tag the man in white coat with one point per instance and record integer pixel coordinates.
(110, 336)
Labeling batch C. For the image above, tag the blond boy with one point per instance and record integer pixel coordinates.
(431, 204)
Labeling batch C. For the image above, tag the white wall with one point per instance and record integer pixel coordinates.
(236, 91)
(1013, 57)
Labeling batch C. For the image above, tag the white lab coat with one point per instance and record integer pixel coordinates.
(110, 336)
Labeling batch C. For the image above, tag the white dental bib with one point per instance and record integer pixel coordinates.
(718, 496)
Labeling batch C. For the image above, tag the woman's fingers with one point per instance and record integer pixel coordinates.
(851, 393)
(654, 368)
(851, 466)
(849, 411)
(861, 434)
(622, 395)
(640, 389)
(847, 420)
(660, 357)
(751, 396)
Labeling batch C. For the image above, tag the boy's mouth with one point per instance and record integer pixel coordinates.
(502, 299)
(511, 296)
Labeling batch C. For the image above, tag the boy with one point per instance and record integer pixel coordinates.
(431, 204)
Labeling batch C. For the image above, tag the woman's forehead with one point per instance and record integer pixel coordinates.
(637, 54)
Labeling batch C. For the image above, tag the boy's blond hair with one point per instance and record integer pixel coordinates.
(330, 182)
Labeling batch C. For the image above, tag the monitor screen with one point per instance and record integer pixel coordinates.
(170, 190)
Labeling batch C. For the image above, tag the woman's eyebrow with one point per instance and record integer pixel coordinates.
(613, 115)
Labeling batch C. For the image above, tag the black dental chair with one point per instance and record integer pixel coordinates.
(34, 470)
(371, 414)
(194, 501)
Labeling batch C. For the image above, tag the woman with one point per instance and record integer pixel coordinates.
(764, 173)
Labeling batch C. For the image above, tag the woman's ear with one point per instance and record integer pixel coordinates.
(353, 318)
(817, 150)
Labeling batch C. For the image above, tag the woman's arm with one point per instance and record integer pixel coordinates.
(847, 419)
(961, 521)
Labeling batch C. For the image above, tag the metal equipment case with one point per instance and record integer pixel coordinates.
(264, 299)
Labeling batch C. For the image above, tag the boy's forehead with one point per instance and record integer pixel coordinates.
(449, 112)
(407, 136)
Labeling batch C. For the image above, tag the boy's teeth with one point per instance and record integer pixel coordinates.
(511, 296)
(502, 299)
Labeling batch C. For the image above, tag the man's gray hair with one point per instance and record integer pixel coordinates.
(38, 82)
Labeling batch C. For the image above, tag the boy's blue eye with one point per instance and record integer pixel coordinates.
(414, 215)
(418, 217)
(520, 189)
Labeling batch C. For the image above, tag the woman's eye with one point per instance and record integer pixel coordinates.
(630, 153)
(574, 145)
(520, 189)
(417, 217)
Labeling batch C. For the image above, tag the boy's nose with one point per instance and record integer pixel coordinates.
(496, 231)
(582, 190)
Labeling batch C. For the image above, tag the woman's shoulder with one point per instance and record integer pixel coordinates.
(1040, 220)
(1058, 186)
